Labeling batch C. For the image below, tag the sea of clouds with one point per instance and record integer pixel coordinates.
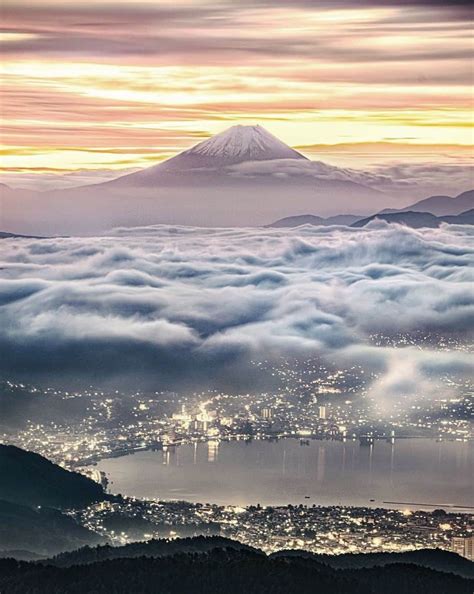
(182, 307)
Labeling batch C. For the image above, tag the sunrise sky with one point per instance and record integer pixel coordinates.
(102, 84)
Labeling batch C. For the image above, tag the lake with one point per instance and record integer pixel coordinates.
(414, 471)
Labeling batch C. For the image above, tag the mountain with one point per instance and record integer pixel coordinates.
(436, 559)
(235, 145)
(440, 205)
(297, 220)
(29, 479)
(243, 176)
(419, 219)
(151, 548)
(223, 569)
(6, 235)
(27, 532)
(464, 218)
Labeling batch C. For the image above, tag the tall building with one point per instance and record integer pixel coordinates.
(464, 546)
(266, 414)
(322, 412)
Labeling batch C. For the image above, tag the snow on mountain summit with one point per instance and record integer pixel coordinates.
(244, 143)
(236, 145)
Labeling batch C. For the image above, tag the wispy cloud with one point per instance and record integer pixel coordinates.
(150, 75)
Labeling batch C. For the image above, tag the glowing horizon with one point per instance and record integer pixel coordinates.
(117, 85)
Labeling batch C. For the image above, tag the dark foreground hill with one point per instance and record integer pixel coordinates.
(41, 531)
(435, 559)
(153, 548)
(229, 570)
(29, 479)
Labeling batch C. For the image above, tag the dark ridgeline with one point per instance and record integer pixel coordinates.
(30, 479)
(418, 220)
(440, 205)
(233, 570)
(27, 532)
(33, 490)
(430, 212)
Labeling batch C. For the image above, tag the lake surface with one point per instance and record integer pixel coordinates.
(419, 471)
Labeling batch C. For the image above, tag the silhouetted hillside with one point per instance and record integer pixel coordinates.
(6, 235)
(28, 478)
(223, 570)
(152, 548)
(419, 219)
(27, 532)
(297, 220)
(439, 205)
(435, 559)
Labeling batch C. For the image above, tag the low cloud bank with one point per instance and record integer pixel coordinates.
(188, 307)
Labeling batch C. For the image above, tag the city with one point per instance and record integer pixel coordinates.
(321, 530)
(314, 402)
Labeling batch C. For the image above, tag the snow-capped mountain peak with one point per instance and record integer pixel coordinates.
(244, 143)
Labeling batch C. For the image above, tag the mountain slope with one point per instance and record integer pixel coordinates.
(243, 176)
(6, 235)
(152, 548)
(205, 161)
(29, 479)
(297, 220)
(436, 559)
(41, 531)
(244, 143)
(223, 570)
(464, 218)
(418, 220)
(440, 205)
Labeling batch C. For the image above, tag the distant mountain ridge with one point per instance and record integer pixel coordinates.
(439, 205)
(418, 220)
(297, 220)
(240, 177)
(243, 176)
(6, 235)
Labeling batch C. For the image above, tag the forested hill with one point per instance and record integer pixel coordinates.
(152, 548)
(436, 559)
(30, 479)
(217, 571)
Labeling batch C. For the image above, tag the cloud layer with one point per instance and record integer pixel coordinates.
(101, 84)
(188, 307)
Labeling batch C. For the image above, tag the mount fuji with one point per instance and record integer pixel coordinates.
(243, 176)
(208, 160)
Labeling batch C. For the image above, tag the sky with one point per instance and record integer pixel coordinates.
(120, 85)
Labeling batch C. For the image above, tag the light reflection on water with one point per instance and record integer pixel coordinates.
(281, 472)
